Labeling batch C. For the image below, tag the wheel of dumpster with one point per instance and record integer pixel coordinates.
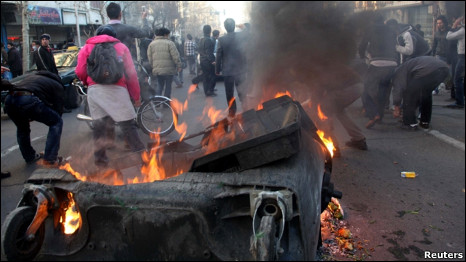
(266, 240)
(15, 246)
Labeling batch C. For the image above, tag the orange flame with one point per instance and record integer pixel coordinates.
(279, 94)
(327, 141)
(320, 114)
(192, 88)
(71, 221)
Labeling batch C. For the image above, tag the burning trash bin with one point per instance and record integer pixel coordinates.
(254, 195)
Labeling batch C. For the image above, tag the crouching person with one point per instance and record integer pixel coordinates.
(413, 84)
(106, 66)
(38, 97)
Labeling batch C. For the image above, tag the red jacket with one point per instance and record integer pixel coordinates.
(131, 83)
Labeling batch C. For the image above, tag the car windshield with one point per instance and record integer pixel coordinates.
(63, 59)
(66, 59)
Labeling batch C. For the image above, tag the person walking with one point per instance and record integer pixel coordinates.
(165, 61)
(190, 53)
(413, 84)
(207, 61)
(339, 93)
(379, 42)
(178, 78)
(39, 97)
(442, 48)
(34, 46)
(230, 62)
(109, 103)
(127, 33)
(44, 56)
(15, 63)
(457, 33)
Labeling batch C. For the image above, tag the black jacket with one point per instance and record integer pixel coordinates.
(230, 55)
(47, 87)
(443, 47)
(206, 49)
(420, 45)
(44, 60)
(415, 68)
(127, 33)
(14, 60)
(380, 42)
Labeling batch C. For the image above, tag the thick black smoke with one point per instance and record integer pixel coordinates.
(299, 46)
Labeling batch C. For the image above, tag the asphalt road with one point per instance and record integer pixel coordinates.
(396, 218)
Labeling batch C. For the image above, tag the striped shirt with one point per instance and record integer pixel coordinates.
(189, 48)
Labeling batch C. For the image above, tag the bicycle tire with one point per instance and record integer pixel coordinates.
(156, 116)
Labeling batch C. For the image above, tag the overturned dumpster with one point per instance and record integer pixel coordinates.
(258, 196)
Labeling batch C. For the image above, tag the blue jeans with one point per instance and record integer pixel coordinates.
(22, 109)
(164, 82)
(459, 81)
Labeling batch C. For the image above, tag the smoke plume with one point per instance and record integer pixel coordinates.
(299, 47)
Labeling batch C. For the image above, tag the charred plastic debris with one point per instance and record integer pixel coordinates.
(258, 197)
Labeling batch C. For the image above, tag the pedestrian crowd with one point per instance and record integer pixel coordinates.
(400, 63)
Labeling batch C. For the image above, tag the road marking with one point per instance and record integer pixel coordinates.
(446, 139)
(13, 148)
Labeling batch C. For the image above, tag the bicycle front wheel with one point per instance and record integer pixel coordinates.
(157, 116)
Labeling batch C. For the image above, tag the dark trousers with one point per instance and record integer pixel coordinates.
(454, 60)
(164, 81)
(230, 83)
(377, 89)
(191, 64)
(208, 74)
(335, 104)
(459, 80)
(418, 93)
(16, 73)
(22, 109)
(102, 136)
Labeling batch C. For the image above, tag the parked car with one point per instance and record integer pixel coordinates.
(66, 62)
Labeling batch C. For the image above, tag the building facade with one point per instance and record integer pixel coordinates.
(415, 12)
(57, 18)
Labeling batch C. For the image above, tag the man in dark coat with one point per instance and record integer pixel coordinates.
(413, 83)
(127, 33)
(207, 61)
(38, 97)
(14, 61)
(44, 56)
(230, 61)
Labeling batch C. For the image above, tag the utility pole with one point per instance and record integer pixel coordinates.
(77, 23)
(25, 33)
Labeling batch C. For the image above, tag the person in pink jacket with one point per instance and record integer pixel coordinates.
(109, 103)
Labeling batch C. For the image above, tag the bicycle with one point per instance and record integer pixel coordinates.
(155, 116)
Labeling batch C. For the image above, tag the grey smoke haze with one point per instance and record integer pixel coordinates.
(297, 46)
